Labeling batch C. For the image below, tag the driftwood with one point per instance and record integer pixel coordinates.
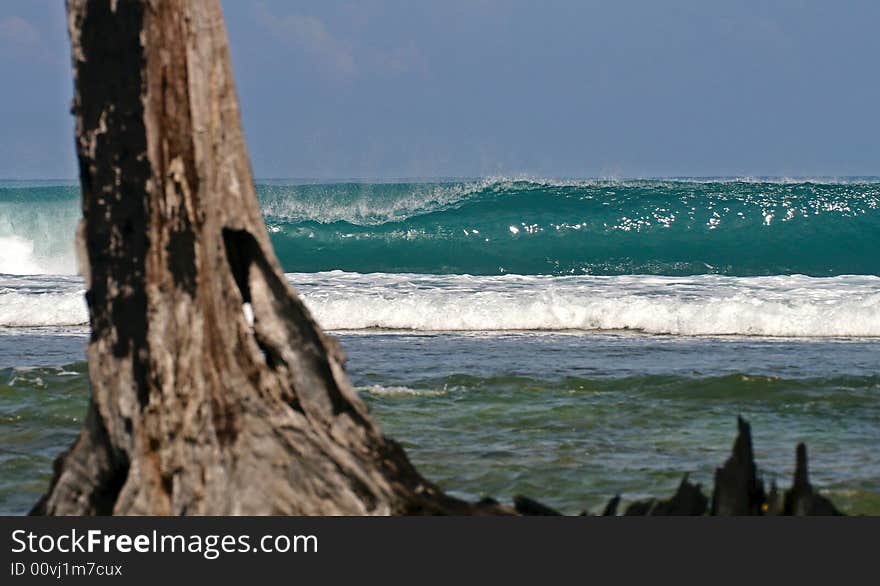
(610, 509)
(801, 498)
(213, 389)
(738, 491)
(526, 506)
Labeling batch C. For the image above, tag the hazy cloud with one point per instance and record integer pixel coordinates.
(310, 34)
(341, 58)
(18, 32)
(398, 60)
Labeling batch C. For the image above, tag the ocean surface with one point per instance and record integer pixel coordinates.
(567, 340)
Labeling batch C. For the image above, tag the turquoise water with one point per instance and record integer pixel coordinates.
(599, 228)
(568, 340)
(526, 227)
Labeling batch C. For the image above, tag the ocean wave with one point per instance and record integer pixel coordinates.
(534, 227)
(370, 204)
(527, 226)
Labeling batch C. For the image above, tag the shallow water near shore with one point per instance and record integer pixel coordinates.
(571, 418)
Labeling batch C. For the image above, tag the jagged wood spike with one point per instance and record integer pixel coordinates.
(640, 508)
(610, 509)
(688, 500)
(801, 499)
(774, 502)
(738, 490)
(530, 507)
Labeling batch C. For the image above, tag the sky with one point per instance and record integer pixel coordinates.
(552, 88)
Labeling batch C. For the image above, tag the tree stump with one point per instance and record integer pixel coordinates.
(213, 389)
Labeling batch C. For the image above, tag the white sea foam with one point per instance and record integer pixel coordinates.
(45, 309)
(796, 306)
(397, 391)
(40, 301)
(697, 305)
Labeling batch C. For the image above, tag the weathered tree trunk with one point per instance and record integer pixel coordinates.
(213, 390)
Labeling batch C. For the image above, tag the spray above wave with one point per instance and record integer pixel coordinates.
(373, 203)
(363, 204)
(37, 225)
(744, 228)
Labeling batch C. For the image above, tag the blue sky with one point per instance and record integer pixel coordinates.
(624, 88)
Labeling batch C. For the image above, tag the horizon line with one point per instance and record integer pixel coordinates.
(497, 177)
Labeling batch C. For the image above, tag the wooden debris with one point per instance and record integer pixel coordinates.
(529, 507)
(801, 499)
(738, 490)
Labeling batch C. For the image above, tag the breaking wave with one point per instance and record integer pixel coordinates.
(744, 227)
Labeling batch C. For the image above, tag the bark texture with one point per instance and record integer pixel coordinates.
(214, 391)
